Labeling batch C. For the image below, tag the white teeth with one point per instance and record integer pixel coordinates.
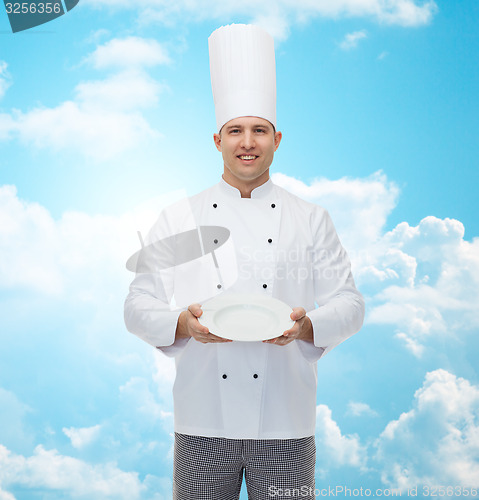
(247, 157)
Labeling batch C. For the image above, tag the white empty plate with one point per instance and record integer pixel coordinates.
(246, 317)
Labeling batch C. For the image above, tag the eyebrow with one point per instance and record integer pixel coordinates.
(258, 125)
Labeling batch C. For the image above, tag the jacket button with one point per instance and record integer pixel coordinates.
(270, 240)
(214, 205)
(272, 205)
(218, 286)
(265, 285)
(255, 375)
(224, 375)
(215, 241)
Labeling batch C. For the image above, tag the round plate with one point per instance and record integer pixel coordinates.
(246, 317)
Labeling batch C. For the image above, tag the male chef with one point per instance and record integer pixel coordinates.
(245, 409)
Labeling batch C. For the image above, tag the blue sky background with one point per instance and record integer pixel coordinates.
(106, 115)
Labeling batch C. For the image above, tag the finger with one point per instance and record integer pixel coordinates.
(294, 330)
(199, 329)
(298, 313)
(215, 338)
(270, 341)
(211, 338)
(279, 341)
(195, 310)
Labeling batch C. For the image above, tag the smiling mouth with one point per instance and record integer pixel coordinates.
(247, 157)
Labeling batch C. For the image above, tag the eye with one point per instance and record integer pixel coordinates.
(234, 131)
(260, 131)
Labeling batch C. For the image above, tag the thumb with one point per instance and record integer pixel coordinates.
(195, 310)
(298, 313)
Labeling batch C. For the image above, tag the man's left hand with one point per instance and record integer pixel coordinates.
(302, 329)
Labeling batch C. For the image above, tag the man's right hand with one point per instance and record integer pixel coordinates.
(189, 326)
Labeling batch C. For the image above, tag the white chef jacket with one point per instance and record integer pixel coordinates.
(286, 248)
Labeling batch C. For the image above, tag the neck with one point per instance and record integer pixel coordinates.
(245, 187)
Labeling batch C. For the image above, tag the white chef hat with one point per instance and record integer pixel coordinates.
(243, 74)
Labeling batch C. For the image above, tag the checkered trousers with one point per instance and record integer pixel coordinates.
(210, 468)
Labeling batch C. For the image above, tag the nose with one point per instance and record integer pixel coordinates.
(248, 140)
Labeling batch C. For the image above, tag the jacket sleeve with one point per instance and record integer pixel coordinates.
(148, 309)
(340, 311)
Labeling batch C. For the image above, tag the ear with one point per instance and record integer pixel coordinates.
(277, 139)
(217, 139)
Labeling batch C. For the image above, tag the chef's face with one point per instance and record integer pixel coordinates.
(247, 144)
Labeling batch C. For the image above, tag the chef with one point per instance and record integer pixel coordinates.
(246, 408)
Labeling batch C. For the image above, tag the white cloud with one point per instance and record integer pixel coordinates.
(125, 91)
(145, 406)
(273, 22)
(437, 441)
(28, 236)
(422, 280)
(83, 436)
(411, 344)
(13, 431)
(4, 495)
(77, 256)
(351, 40)
(7, 126)
(104, 120)
(99, 134)
(337, 450)
(5, 79)
(97, 35)
(137, 393)
(130, 52)
(358, 409)
(430, 277)
(359, 207)
(47, 469)
(279, 14)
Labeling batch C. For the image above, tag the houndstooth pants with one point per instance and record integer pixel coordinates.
(210, 468)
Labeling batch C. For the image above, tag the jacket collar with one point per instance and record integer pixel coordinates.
(263, 191)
